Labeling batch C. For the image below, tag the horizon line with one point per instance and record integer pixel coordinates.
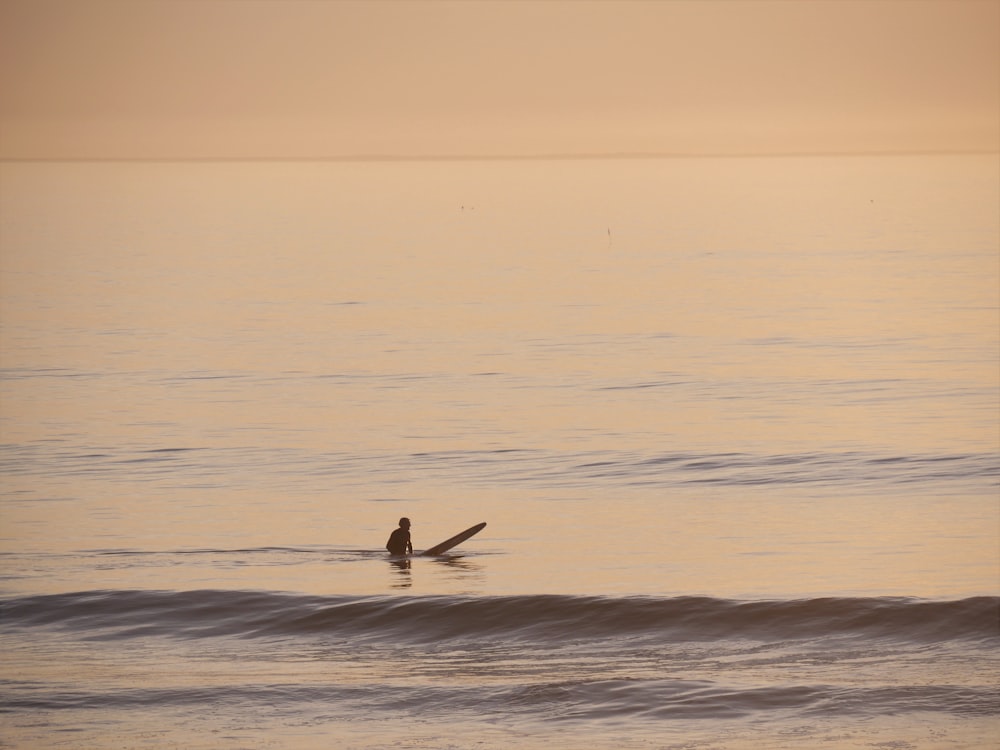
(566, 156)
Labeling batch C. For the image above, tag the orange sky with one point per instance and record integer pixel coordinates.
(311, 78)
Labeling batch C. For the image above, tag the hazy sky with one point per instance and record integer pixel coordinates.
(326, 78)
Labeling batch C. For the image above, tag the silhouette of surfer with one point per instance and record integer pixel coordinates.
(399, 541)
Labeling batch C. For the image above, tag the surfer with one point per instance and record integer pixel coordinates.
(399, 541)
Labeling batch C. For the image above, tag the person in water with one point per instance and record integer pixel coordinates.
(399, 541)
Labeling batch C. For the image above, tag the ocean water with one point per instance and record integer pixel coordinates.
(733, 424)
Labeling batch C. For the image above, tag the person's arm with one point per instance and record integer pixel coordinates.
(409, 546)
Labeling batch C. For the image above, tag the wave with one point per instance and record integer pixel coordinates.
(544, 619)
(520, 466)
(561, 701)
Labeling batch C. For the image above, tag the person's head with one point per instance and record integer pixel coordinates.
(404, 523)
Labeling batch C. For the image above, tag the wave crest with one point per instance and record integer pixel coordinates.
(542, 618)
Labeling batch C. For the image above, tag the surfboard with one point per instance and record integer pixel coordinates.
(447, 544)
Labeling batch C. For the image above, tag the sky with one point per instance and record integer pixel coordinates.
(319, 78)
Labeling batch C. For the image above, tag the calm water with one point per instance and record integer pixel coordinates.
(733, 425)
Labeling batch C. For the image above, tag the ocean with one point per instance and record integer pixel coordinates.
(733, 424)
